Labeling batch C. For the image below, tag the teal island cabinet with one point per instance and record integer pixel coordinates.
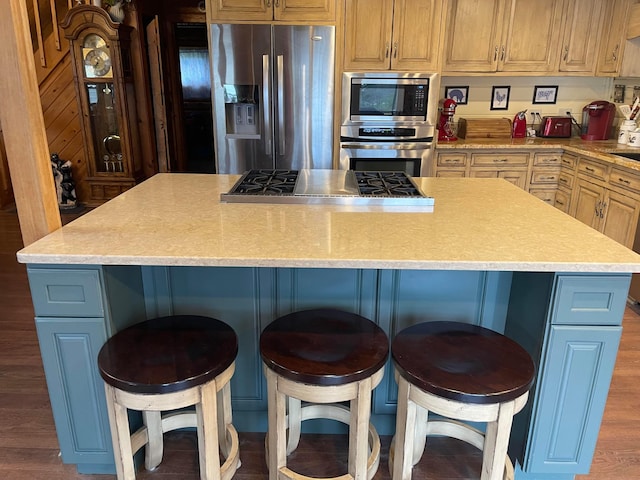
(489, 254)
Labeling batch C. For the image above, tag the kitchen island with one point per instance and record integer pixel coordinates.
(488, 254)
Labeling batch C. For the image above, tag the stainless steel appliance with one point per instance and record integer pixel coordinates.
(273, 90)
(388, 121)
(329, 187)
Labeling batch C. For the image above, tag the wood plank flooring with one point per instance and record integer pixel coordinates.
(29, 448)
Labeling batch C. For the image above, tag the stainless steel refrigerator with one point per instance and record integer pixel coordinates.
(273, 96)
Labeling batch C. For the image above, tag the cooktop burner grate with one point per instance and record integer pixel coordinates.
(267, 182)
(386, 184)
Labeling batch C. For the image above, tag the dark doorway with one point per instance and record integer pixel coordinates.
(195, 80)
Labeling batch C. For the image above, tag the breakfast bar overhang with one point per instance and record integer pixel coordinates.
(488, 254)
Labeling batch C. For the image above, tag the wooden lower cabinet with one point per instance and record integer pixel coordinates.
(609, 211)
(517, 177)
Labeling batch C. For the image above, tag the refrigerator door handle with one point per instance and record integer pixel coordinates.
(281, 136)
(266, 107)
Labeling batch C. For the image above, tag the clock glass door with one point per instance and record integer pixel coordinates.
(104, 127)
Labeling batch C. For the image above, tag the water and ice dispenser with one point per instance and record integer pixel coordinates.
(242, 111)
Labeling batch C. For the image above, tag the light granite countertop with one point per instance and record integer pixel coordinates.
(477, 224)
(602, 149)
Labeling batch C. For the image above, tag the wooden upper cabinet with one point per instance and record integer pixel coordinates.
(267, 10)
(530, 39)
(612, 41)
(392, 34)
(472, 35)
(502, 35)
(582, 32)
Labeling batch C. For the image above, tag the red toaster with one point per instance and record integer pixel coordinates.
(557, 127)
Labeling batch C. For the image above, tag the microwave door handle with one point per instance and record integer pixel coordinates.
(266, 108)
(281, 136)
(392, 146)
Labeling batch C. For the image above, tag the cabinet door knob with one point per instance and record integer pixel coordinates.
(395, 50)
(386, 52)
(502, 54)
(566, 53)
(495, 54)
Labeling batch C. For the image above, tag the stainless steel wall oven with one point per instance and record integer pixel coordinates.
(388, 121)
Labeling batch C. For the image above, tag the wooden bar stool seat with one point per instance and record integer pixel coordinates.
(322, 357)
(464, 373)
(164, 365)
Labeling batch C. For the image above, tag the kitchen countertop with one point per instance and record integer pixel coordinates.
(601, 149)
(477, 224)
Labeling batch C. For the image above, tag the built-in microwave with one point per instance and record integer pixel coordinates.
(392, 97)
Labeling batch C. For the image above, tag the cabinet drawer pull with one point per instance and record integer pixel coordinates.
(614, 55)
(589, 169)
(624, 181)
(495, 54)
(563, 180)
(502, 54)
(452, 160)
(548, 178)
(395, 50)
(386, 51)
(268, 3)
(566, 161)
(559, 202)
(604, 205)
(277, 3)
(566, 53)
(501, 160)
(598, 208)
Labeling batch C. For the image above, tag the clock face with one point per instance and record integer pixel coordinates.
(97, 62)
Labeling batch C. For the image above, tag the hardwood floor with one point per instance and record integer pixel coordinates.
(29, 448)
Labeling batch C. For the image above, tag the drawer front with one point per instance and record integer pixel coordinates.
(569, 161)
(590, 301)
(625, 179)
(451, 173)
(545, 176)
(593, 169)
(499, 159)
(546, 195)
(547, 159)
(452, 159)
(565, 179)
(562, 200)
(66, 293)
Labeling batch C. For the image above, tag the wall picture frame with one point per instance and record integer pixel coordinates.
(545, 94)
(500, 97)
(459, 94)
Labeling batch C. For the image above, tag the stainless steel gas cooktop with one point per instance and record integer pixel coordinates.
(328, 187)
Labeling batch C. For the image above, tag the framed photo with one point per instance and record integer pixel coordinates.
(545, 93)
(500, 98)
(459, 94)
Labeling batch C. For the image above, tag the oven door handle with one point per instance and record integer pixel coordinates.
(389, 146)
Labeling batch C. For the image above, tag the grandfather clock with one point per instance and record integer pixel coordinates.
(103, 75)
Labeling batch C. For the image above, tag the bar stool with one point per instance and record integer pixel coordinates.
(464, 373)
(166, 364)
(322, 357)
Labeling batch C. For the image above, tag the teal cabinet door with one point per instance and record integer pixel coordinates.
(572, 393)
(69, 353)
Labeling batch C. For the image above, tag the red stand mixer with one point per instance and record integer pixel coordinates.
(447, 109)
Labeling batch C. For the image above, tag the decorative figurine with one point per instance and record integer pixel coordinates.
(65, 186)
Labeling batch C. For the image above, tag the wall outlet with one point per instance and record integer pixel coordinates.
(565, 111)
(534, 114)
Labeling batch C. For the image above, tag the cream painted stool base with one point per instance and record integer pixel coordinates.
(285, 394)
(413, 428)
(212, 419)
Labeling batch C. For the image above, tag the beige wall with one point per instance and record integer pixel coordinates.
(573, 93)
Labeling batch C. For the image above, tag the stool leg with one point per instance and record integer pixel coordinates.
(295, 423)
(496, 443)
(120, 436)
(225, 417)
(420, 436)
(276, 435)
(405, 433)
(359, 430)
(154, 449)
(208, 445)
